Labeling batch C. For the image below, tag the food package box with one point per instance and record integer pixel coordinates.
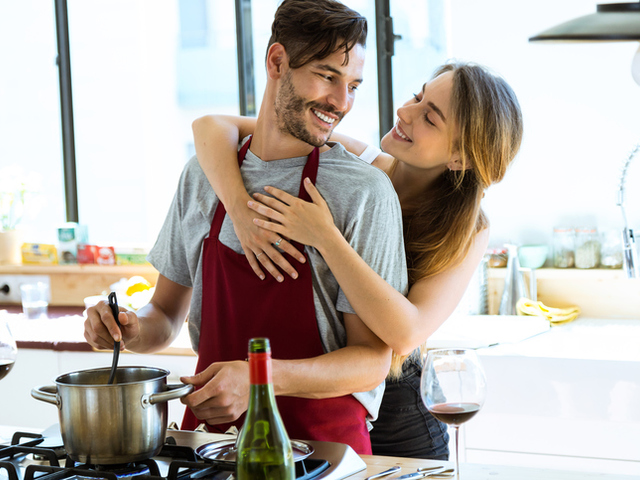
(39, 254)
(70, 235)
(106, 256)
(131, 256)
(87, 254)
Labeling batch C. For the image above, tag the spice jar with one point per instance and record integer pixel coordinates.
(611, 249)
(563, 247)
(497, 257)
(587, 248)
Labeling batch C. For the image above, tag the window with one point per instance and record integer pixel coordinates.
(30, 136)
(141, 72)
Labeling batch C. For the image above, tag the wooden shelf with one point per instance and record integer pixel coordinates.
(76, 269)
(70, 284)
(600, 293)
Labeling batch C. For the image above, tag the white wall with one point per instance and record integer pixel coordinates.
(580, 109)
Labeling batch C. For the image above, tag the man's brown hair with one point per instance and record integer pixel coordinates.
(314, 29)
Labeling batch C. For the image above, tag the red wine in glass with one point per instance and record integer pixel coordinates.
(8, 349)
(5, 367)
(454, 413)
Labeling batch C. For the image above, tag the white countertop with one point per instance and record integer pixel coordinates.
(582, 339)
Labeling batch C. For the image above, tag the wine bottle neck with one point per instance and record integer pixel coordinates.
(260, 368)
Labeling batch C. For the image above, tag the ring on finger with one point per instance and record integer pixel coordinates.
(259, 254)
(277, 244)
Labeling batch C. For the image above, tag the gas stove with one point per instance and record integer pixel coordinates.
(31, 456)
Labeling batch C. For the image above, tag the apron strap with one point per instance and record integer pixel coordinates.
(311, 171)
(218, 216)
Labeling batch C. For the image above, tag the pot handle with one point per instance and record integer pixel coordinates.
(47, 394)
(172, 392)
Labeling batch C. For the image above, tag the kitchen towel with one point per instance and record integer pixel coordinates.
(555, 316)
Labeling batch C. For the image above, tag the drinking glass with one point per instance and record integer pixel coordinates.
(453, 387)
(8, 349)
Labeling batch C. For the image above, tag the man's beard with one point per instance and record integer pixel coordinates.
(290, 110)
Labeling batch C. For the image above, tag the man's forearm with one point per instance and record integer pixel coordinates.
(357, 368)
(157, 330)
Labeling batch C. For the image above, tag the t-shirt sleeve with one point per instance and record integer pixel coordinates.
(370, 154)
(169, 254)
(375, 233)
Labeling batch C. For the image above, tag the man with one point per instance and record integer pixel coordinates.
(323, 352)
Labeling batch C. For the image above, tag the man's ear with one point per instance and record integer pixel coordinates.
(277, 60)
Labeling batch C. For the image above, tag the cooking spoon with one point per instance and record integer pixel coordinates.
(113, 303)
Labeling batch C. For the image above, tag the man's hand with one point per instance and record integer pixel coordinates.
(224, 392)
(101, 329)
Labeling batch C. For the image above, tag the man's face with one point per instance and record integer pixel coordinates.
(312, 99)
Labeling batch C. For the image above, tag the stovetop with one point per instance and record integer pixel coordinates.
(34, 459)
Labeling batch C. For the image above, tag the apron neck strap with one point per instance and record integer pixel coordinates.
(310, 170)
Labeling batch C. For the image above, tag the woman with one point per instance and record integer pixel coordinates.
(453, 140)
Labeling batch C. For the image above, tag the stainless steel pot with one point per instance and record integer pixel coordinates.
(106, 424)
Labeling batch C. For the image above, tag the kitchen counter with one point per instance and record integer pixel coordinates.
(63, 330)
(376, 464)
(563, 397)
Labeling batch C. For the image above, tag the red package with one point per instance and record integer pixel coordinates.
(106, 256)
(87, 254)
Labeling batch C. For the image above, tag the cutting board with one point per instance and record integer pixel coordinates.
(479, 331)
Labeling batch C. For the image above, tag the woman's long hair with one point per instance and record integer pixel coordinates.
(438, 233)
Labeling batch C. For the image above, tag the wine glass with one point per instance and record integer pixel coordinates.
(8, 349)
(453, 387)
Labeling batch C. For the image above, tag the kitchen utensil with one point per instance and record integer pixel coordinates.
(113, 303)
(426, 473)
(514, 288)
(225, 450)
(108, 424)
(385, 473)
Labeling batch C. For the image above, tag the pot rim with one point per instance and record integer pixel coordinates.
(59, 381)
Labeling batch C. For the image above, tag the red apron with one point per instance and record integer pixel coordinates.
(237, 306)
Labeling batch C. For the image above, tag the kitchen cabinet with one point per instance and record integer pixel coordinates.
(566, 399)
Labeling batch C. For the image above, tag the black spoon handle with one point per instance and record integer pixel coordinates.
(113, 303)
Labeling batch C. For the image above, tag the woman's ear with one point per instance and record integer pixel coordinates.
(277, 60)
(455, 163)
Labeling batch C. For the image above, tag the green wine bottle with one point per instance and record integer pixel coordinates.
(264, 448)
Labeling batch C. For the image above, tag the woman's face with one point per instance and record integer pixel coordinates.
(421, 136)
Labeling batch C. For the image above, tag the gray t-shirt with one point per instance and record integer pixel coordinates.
(365, 208)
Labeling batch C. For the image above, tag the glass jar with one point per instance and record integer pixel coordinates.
(611, 249)
(587, 248)
(563, 247)
(496, 257)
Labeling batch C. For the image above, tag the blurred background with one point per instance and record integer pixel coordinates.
(143, 70)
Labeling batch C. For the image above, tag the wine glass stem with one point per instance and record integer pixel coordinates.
(457, 430)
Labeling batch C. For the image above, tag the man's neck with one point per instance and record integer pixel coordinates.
(269, 143)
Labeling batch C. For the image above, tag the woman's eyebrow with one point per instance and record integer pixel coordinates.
(437, 110)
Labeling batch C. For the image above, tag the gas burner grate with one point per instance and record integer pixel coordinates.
(310, 468)
(10, 468)
(44, 472)
(44, 453)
